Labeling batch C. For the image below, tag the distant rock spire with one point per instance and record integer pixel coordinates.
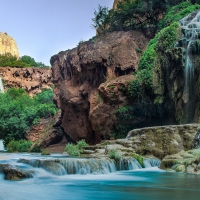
(8, 45)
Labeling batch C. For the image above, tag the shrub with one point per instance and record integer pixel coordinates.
(75, 150)
(20, 146)
(114, 154)
(81, 144)
(45, 152)
(72, 150)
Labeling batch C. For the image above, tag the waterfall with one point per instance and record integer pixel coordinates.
(1, 146)
(64, 166)
(1, 86)
(191, 29)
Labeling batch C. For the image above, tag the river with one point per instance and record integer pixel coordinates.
(141, 184)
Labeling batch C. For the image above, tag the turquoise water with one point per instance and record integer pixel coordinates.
(140, 184)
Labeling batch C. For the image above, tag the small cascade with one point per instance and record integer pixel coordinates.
(128, 164)
(1, 146)
(1, 86)
(151, 162)
(73, 166)
(64, 166)
(190, 42)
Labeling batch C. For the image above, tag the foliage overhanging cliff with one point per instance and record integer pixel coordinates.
(116, 82)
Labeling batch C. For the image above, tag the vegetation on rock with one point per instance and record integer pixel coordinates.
(138, 14)
(18, 112)
(114, 154)
(146, 96)
(75, 150)
(8, 60)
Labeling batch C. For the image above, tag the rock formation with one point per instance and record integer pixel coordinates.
(8, 45)
(157, 142)
(90, 80)
(46, 132)
(184, 161)
(33, 80)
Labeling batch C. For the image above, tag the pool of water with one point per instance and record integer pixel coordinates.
(148, 184)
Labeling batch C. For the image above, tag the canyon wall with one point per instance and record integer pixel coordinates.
(8, 45)
(33, 80)
(90, 81)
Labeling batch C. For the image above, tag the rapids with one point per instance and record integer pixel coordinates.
(138, 184)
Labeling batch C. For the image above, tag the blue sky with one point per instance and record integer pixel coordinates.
(43, 28)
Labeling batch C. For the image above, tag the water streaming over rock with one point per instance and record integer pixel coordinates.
(1, 146)
(190, 26)
(63, 166)
(1, 86)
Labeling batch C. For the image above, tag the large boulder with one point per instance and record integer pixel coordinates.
(87, 84)
(14, 173)
(163, 140)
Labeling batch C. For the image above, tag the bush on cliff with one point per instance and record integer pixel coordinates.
(135, 14)
(7, 60)
(143, 101)
(18, 112)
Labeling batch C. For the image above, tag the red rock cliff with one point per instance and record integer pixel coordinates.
(33, 80)
(89, 80)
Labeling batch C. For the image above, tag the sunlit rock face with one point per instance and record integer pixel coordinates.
(33, 80)
(8, 45)
(89, 80)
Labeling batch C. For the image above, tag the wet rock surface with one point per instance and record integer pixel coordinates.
(14, 173)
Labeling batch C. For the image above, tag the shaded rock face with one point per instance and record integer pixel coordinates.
(89, 81)
(46, 132)
(8, 45)
(33, 80)
(162, 140)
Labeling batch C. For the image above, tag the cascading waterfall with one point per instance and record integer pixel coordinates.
(64, 166)
(190, 42)
(1, 146)
(2, 91)
(1, 86)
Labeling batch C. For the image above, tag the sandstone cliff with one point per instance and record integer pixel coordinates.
(33, 80)
(8, 45)
(89, 82)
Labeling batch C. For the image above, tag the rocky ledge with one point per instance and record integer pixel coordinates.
(153, 141)
(33, 80)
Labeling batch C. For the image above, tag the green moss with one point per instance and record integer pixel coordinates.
(176, 13)
(45, 152)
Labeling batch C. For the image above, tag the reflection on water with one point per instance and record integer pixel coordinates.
(140, 184)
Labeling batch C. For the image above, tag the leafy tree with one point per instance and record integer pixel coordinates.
(100, 17)
(18, 112)
(28, 60)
